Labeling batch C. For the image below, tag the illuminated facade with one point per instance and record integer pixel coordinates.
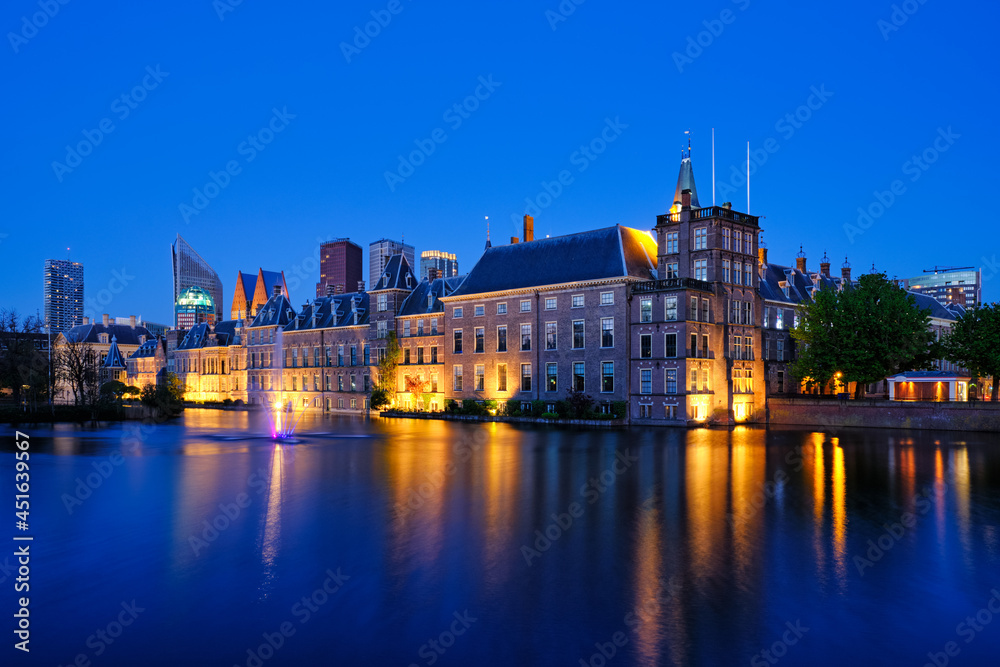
(194, 306)
(63, 294)
(147, 365)
(445, 264)
(210, 362)
(251, 293)
(190, 270)
(960, 286)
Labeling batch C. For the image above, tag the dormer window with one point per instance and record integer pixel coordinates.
(430, 301)
(385, 280)
(409, 279)
(102, 338)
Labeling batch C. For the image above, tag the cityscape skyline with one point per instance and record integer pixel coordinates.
(814, 165)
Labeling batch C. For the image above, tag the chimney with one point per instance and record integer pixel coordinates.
(686, 198)
(131, 321)
(728, 205)
(361, 287)
(529, 228)
(762, 254)
(276, 291)
(432, 274)
(106, 319)
(845, 271)
(824, 265)
(800, 260)
(331, 289)
(513, 240)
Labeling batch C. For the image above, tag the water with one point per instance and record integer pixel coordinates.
(688, 548)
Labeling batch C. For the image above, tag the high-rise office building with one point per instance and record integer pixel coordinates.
(445, 263)
(63, 293)
(190, 270)
(339, 267)
(962, 286)
(379, 253)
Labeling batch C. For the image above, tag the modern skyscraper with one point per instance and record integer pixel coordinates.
(63, 293)
(963, 286)
(190, 270)
(194, 306)
(339, 267)
(445, 263)
(379, 253)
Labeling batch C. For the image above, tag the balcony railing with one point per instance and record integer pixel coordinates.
(670, 284)
(711, 212)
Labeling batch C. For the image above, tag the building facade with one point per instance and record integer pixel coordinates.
(960, 286)
(445, 264)
(339, 268)
(63, 294)
(194, 306)
(190, 270)
(379, 253)
(210, 362)
(253, 292)
(94, 340)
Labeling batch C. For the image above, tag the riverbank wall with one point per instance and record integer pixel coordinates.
(875, 413)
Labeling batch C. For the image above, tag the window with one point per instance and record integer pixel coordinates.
(578, 381)
(747, 312)
(704, 346)
(646, 310)
(551, 383)
(725, 271)
(502, 308)
(366, 387)
(434, 382)
(694, 380)
(550, 335)
(693, 350)
(767, 317)
(502, 339)
(671, 308)
(383, 302)
(726, 239)
(704, 379)
(368, 355)
(734, 312)
(646, 381)
(704, 311)
(420, 327)
(480, 377)
(671, 381)
(693, 311)
(457, 313)
(480, 311)
(458, 341)
(354, 355)
(748, 347)
(406, 355)
(458, 378)
(738, 241)
(671, 242)
(747, 275)
(295, 358)
(340, 355)
(420, 355)
(525, 337)
(748, 241)
(607, 298)
(646, 346)
(525, 377)
(525, 306)
(671, 345)
(779, 321)
(781, 350)
(737, 275)
(672, 271)
(501, 377)
(406, 328)
(354, 385)
(434, 326)
(578, 301)
(701, 269)
(316, 359)
(737, 347)
(295, 383)
(767, 348)
(550, 304)
(578, 340)
(607, 376)
(701, 238)
(480, 340)
(781, 382)
(434, 354)
(607, 332)
(328, 356)
(327, 382)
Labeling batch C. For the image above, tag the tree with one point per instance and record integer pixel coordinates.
(76, 364)
(974, 343)
(379, 399)
(866, 332)
(22, 365)
(388, 364)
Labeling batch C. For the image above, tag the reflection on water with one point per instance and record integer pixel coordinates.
(698, 546)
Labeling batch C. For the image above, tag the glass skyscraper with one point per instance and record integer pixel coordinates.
(63, 294)
(190, 270)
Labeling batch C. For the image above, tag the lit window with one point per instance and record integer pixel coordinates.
(551, 383)
(607, 376)
(671, 387)
(671, 308)
(646, 310)
(501, 377)
(701, 238)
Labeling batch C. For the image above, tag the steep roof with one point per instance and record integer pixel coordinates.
(612, 252)
(271, 278)
(397, 275)
(685, 181)
(126, 335)
(205, 335)
(339, 310)
(148, 349)
(114, 358)
(419, 301)
(277, 311)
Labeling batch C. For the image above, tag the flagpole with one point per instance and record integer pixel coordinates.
(713, 166)
(748, 178)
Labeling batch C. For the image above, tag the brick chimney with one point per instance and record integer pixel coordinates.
(361, 287)
(800, 260)
(529, 228)
(845, 271)
(686, 198)
(513, 240)
(824, 265)
(432, 274)
(106, 319)
(131, 321)
(86, 320)
(762, 255)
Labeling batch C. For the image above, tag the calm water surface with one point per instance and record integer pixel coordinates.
(507, 545)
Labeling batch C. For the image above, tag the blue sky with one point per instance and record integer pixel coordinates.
(627, 79)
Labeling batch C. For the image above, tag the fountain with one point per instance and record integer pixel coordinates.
(280, 413)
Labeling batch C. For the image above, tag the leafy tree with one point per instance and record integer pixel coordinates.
(22, 365)
(388, 365)
(580, 404)
(867, 332)
(379, 399)
(974, 343)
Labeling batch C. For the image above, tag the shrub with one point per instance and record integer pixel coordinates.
(564, 409)
(619, 409)
(379, 399)
(475, 408)
(537, 408)
(513, 407)
(580, 405)
(450, 405)
(550, 415)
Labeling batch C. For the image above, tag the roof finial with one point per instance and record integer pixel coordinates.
(488, 244)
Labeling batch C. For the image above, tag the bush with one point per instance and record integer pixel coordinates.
(379, 399)
(227, 401)
(490, 404)
(450, 405)
(619, 409)
(513, 407)
(537, 408)
(564, 409)
(474, 408)
(580, 405)
(550, 415)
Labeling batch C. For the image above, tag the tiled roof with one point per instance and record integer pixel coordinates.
(276, 312)
(114, 358)
(612, 252)
(339, 310)
(126, 335)
(418, 301)
(271, 278)
(397, 275)
(147, 349)
(685, 181)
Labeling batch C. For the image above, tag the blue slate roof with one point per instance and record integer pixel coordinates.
(276, 312)
(271, 278)
(418, 301)
(928, 375)
(397, 275)
(612, 252)
(147, 349)
(685, 181)
(114, 358)
(339, 310)
(126, 335)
